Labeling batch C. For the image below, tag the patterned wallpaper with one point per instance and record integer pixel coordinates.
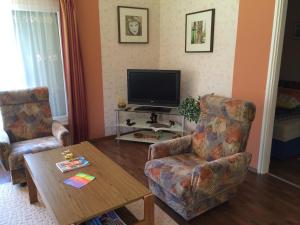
(202, 73)
(117, 58)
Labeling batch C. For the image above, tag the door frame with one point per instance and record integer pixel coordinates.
(278, 31)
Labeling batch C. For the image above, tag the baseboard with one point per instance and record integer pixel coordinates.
(284, 180)
(102, 138)
(252, 169)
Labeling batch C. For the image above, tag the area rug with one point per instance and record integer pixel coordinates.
(15, 209)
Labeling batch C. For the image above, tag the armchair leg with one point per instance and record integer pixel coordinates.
(18, 176)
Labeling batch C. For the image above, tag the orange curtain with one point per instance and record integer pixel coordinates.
(73, 72)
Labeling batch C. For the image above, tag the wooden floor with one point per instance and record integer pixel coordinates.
(287, 169)
(260, 200)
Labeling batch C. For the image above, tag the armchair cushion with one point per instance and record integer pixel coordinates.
(224, 127)
(188, 177)
(219, 175)
(171, 147)
(217, 137)
(24, 96)
(5, 148)
(16, 158)
(61, 133)
(231, 109)
(174, 173)
(26, 114)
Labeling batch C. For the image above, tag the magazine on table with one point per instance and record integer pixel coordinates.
(79, 180)
(73, 164)
(110, 218)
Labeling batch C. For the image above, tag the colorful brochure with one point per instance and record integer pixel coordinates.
(73, 164)
(79, 180)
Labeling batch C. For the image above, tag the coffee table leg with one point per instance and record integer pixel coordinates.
(31, 187)
(149, 209)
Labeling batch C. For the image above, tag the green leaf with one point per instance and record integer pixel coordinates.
(190, 109)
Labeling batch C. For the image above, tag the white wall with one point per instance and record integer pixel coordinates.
(202, 73)
(117, 58)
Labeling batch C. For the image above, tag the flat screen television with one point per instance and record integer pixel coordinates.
(153, 87)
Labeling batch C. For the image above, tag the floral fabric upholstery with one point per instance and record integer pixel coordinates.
(229, 108)
(61, 133)
(197, 172)
(223, 128)
(171, 147)
(188, 172)
(26, 114)
(5, 149)
(16, 157)
(174, 173)
(215, 176)
(189, 211)
(28, 128)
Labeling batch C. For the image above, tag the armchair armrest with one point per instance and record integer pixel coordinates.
(221, 174)
(5, 148)
(61, 133)
(171, 147)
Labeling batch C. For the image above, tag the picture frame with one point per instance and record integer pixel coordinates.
(199, 31)
(133, 25)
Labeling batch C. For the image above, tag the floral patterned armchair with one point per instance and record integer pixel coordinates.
(28, 127)
(195, 173)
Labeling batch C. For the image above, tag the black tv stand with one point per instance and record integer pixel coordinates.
(152, 109)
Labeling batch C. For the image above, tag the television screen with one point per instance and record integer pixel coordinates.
(154, 87)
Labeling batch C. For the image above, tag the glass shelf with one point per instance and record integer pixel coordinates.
(130, 137)
(131, 109)
(162, 125)
(142, 123)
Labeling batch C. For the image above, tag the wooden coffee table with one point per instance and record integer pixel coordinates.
(113, 187)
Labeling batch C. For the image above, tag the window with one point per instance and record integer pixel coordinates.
(35, 57)
(37, 35)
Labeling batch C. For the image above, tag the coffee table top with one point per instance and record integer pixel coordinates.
(112, 188)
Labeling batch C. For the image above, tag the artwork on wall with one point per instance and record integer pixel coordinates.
(133, 25)
(199, 31)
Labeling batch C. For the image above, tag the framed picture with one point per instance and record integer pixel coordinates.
(199, 31)
(133, 25)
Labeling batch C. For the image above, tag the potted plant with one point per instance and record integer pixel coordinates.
(190, 109)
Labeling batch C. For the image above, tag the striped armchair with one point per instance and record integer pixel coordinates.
(28, 127)
(195, 173)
